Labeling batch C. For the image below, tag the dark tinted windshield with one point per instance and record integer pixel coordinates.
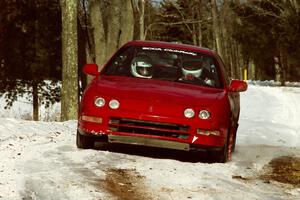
(165, 64)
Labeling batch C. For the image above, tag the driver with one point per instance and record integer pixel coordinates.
(141, 67)
(194, 72)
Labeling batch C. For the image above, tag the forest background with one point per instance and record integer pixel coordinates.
(46, 42)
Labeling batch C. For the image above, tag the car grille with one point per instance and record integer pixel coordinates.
(149, 128)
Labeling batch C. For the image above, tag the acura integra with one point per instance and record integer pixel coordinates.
(163, 95)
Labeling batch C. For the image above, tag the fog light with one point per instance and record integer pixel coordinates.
(204, 114)
(189, 113)
(91, 119)
(208, 132)
(114, 104)
(99, 102)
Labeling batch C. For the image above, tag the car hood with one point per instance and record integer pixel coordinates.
(145, 93)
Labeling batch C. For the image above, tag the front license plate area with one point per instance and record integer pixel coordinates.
(151, 142)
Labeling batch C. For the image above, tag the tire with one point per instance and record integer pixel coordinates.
(231, 144)
(224, 155)
(234, 138)
(84, 142)
(219, 156)
(236, 126)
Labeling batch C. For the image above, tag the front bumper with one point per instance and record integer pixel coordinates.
(149, 142)
(154, 133)
(172, 131)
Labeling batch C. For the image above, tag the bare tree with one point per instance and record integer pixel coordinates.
(112, 25)
(189, 27)
(189, 16)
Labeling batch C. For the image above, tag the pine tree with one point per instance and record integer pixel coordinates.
(30, 51)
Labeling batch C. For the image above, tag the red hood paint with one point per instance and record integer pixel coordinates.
(156, 97)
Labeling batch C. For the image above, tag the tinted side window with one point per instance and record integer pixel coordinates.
(119, 64)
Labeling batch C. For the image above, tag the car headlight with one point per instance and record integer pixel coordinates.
(114, 104)
(99, 102)
(204, 114)
(189, 113)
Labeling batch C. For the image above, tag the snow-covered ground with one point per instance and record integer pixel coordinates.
(39, 160)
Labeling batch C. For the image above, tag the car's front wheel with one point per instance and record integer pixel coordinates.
(225, 154)
(84, 142)
(234, 138)
(219, 156)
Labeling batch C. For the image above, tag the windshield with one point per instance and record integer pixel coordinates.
(165, 64)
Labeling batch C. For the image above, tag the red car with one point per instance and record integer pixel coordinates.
(162, 95)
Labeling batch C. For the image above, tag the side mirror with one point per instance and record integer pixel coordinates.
(238, 86)
(91, 69)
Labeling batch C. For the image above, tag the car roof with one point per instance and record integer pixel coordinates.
(171, 45)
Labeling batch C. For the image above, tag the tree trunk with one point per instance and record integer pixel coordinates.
(252, 71)
(216, 27)
(126, 23)
(69, 92)
(35, 98)
(194, 31)
(278, 70)
(296, 4)
(98, 32)
(199, 26)
(89, 59)
(235, 57)
(240, 62)
(142, 19)
(283, 61)
(113, 27)
(232, 63)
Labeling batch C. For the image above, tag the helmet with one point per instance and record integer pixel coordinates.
(141, 67)
(192, 70)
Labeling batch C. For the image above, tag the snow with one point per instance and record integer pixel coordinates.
(22, 109)
(39, 160)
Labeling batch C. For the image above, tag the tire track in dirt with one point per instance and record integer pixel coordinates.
(126, 184)
(284, 169)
